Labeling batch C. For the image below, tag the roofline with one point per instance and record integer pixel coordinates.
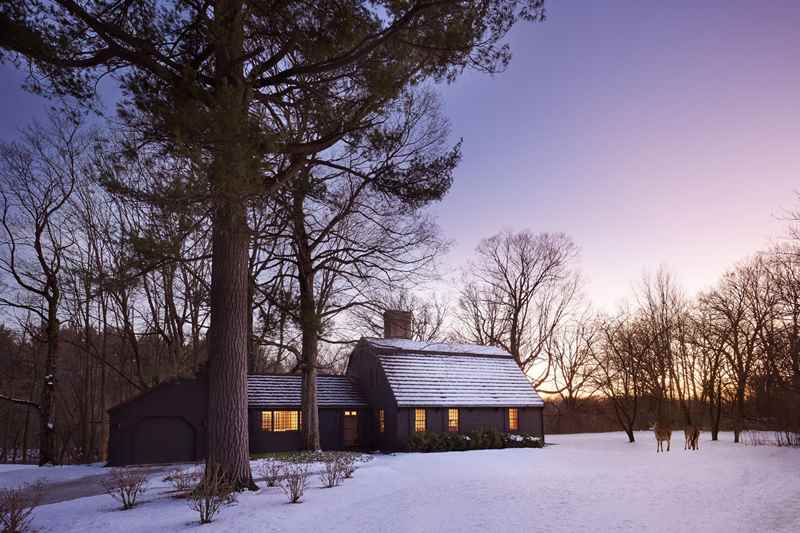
(145, 392)
(395, 349)
(298, 406)
(272, 374)
(469, 406)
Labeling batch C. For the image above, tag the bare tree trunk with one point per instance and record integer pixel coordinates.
(716, 415)
(47, 402)
(310, 324)
(738, 414)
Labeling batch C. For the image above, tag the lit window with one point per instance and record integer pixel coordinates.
(419, 420)
(452, 420)
(280, 420)
(350, 413)
(381, 421)
(513, 419)
(266, 420)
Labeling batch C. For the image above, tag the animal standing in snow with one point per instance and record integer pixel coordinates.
(663, 433)
(691, 435)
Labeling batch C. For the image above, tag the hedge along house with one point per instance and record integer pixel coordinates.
(393, 387)
(414, 386)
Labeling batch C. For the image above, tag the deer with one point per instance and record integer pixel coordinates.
(691, 434)
(663, 433)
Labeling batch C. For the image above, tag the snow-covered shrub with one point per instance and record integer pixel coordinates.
(523, 440)
(211, 494)
(331, 474)
(183, 480)
(16, 507)
(294, 482)
(348, 465)
(125, 485)
(271, 470)
(788, 438)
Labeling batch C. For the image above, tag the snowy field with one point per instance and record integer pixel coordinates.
(588, 482)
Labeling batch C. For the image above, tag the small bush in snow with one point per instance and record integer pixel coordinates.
(183, 480)
(16, 507)
(788, 438)
(271, 471)
(211, 494)
(294, 482)
(125, 485)
(331, 474)
(348, 465)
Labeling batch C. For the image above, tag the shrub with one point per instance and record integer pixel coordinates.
(183, 480)
(487, 438)
(271, 470)
(211, 493)
(331, 475)
(294, 482)
(788, 438)
(125, 485)
(17, 505)
(523, 440)
(348, 465)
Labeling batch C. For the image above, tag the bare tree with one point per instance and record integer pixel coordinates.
(619, 367)
(571, 351)
(517, 292)
(740, 307)
(356, 224)
(38, 177)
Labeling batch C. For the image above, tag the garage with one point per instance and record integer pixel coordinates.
(164, 439)
(165, 424)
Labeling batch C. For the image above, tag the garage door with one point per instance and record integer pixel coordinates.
(163, 440)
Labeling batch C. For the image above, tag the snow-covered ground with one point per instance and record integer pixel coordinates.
(13, 475)
(588, 482)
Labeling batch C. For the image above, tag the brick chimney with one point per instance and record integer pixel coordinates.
(397, 324)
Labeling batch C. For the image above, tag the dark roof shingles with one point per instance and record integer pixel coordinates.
(286, 391)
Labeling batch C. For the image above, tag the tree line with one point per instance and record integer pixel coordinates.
(730, 353)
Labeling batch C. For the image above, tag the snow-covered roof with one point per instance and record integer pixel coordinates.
(408, 345)
(435, 379)
(286, 391)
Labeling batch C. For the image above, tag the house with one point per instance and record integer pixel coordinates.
(393, 387)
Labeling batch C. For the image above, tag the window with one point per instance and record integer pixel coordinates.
(513, 419)
(280, 420)
(419, 420)
(381, 421)
(452, 420)
(266, 420)
(350, 413)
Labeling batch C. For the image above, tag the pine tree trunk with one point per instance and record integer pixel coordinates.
(227, 344)
(228, 446)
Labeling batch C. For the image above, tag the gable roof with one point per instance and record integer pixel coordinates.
(464, 375)
(285, 390)
(408, 345)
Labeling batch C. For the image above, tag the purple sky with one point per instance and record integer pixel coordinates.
(654, 133)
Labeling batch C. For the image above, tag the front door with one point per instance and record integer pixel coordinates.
(350, 429)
